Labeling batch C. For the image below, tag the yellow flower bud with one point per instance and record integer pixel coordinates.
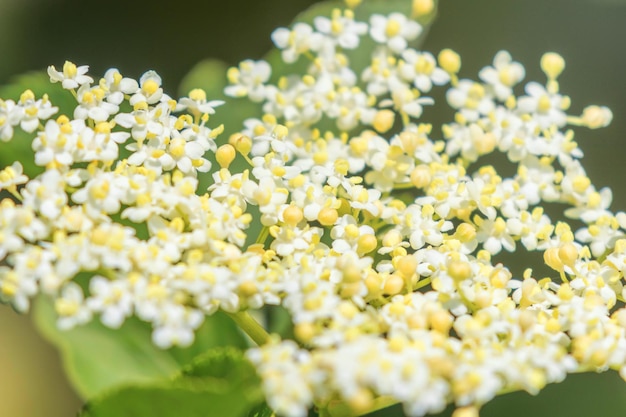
(406, 266)
(465, 232)
(197, 94)
(392, 238)
(353, 3)
(225, 155)
(470, 411)
(366, 244)
(327, 216)
(551, 258)
(568, 254)
(293, 215)
(281, 131)
(422, 8)
(383, 121)
(420, 176)
(459, 270)
(450, 61)
(304, 332)
(595, 117)
(552, 64)
(393, 285)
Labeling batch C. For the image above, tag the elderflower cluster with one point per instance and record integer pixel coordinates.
(375, 231)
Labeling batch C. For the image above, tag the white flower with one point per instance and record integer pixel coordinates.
(346, 234)
(197, 103)
(71, 308)
(283, 368)
(150, 89)
(420, 68)
(12, 176)
(57, 144)
(342, 29)
(72, 76)
(92, 104)
(362, 198)
(249, 80)
(46, 194)
(34, 111)
(188, 156)
(269, 194)
(546, 109)
(117, 85)
(300, 40)
(10, 115)
(381, 73)
(494, 235)
(394, 30)
(406, 100)
(102, 194)
(504, 74)
(112, 299)
(471, 99)
(175, 325)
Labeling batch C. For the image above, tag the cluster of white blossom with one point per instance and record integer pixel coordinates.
(377, 236)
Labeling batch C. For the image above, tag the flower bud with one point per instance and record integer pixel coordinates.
(293, 215)
(225, 155)
(327, 216)
(450, 61)
(595, 117)
(552, 64)
(422, 8)
(383, 121)
(366, 244)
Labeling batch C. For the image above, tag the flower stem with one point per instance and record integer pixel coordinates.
(263, 235)
(250, 326)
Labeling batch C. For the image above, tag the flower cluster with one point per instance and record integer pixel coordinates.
(377, 233)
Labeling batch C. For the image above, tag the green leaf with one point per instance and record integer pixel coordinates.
(19, 148)
(97, 358)
(261, 410)
(220, 383)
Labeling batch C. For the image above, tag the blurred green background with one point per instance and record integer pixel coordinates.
(171, 36)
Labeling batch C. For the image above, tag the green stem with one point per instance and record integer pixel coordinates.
(250, 326)
(403, 186)
(421, 284)
(263, 235)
